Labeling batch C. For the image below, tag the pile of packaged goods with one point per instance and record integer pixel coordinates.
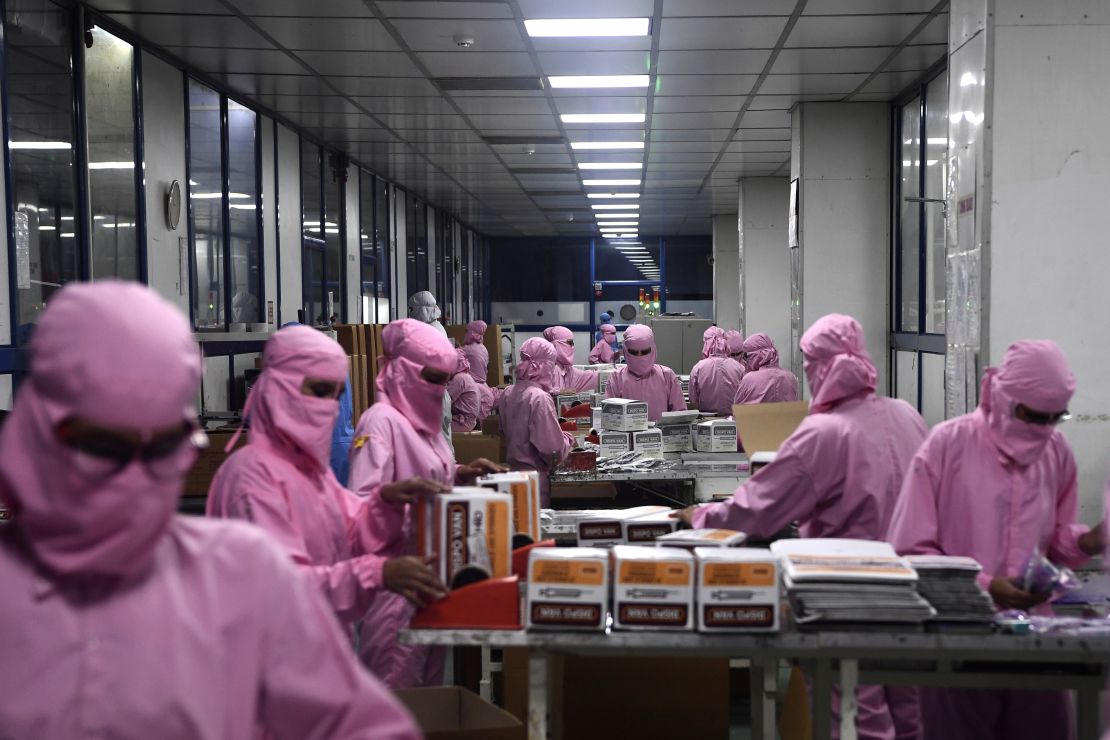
(711, 589)
(469, 531)
(850, 584)
(950, 584)
(523, 486)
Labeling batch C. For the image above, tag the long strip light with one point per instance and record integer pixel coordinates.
(621, 236)
(616, 223)
(111, 165)
(600, 216)
(610, 165)
(614, 206)
(564, 27)
(39, 145)
(597, 81)
(611, 183)
(603, 117)
(606, 145)
(612, 195)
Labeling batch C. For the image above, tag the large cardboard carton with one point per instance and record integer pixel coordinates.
(492, 342)
(568, 588)
(603, 528)
(199, 478)
(764, 426)
(614, 444)
(738, 589)
(648, 443)
(469, 531)
(677, 438)
(350, 338)
(453, 713)
(524, 488)
(653, 588)
(469, 446)
(624, 415)
(716, 435)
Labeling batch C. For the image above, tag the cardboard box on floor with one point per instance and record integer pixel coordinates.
(762, 427)
(452, 713)
(199, 478)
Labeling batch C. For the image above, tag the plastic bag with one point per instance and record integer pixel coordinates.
(1039, 575)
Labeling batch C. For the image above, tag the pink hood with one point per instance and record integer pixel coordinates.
(280, 414)
(462, 364)
(1034, 373)
(475, 332)
(561, 338)
(639, 337)
(761, 352)
(735, 341)
(609, 333)
(714, 343)
(537, 363)
(113, 354)
(836, 361)
(409, 347)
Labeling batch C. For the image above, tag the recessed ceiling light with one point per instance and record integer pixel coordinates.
(620, 223)
(541, 27)
(111, 165)
(612, 195)
(39, 145)
(619, 245)
(621, 236)
(610, 165)
(595, 81)
(610, 183)
(616, 215)
(606, 145)
(603, 117)
(613, 206)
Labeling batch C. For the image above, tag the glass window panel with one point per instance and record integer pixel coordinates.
(312, 233)
(109, 116)
(416, 250)
(932, 388)
(40, 106)
(936, 168)
(206, 211)
(381, 241)
(629, 261)
(464, 274)
(909, 214)
(689, 268)
(333, 244)
(367, 247)
(245, 270)
(565, 275)
(905, 377)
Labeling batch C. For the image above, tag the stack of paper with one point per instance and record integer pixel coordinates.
(949, 584)
(850, 584)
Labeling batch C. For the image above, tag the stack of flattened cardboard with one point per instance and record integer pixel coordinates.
(950, 584)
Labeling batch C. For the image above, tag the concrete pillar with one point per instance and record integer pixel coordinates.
(765, 259)
(841, 160)
(726, 272)
(1029, 168)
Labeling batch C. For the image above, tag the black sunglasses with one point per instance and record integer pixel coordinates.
(1040, 418)
(638, 352)
(114, 452)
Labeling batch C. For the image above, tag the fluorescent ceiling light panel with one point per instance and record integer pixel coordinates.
(621, 236)
(596, 81)
(607, 145)
(39, 145)
(610, 165)
(600, 216)
(611, 183)
(612, 195)
(608, 223)
(613, 206)
(571, 27)
(603, 117)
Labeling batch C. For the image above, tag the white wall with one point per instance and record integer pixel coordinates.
(541, 313)
(845, 223)
(269, 219)
(765, 258)
(726, 271)
(215, 384)
(354, 245)
(700, 309)
(164, 147)
(289, 222)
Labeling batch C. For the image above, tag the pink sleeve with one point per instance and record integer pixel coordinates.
(371, 469)
(312, 686)
(551, 443)
(465, 408)
(597, 353)
(584, 380)
(693, 388)
(675, 401)
(1064, 548)
(613, 387)
(778, 494)
(914, 526)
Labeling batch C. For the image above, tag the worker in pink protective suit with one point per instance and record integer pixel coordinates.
(478, 357)
(282, 482)
(735, 341)
(714, 380)
(606, 348)
(993, 485)
(839, 475)
(533, 438)
(466, 399)
(120, 619)
(569, 377)
(397, 438)
(641, 379)
(765, 381)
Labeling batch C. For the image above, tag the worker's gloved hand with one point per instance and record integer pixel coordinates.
(414, 579)
(408, 491)
(469, 473)
(1094, 542)
(685, 515)
(1008, 596)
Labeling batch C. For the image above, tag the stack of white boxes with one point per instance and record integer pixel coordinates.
(625, 427)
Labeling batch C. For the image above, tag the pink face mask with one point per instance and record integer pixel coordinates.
(411, 346)
(636, 339)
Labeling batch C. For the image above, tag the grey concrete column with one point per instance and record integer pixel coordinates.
(765, 258)
(726, 271)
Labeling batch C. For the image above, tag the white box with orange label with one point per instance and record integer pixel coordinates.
(568, 589)
(645, 529)
(470, 531)
(524, 487)
(603, 527)
(653, 588)
(738, 589)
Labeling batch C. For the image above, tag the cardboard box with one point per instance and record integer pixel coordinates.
(453, 713)
(199, 478)
(614, 444)
(646, 529)
(648, 443)
(764, 426)
(469, 446)
(624, 415)
(716, 435)
(603, 528)
(469, 531)
(678, 438)
(738, 589)
(350, 337)
(691, 538)
(524, 488)
(653, 588)
(568, 589)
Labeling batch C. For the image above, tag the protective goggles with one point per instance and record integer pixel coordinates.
(1040, 418)
(100, 454)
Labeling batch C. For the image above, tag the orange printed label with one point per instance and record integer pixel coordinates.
(718, 535)
(521, 506)
(586, 572)
(738, 574)
(658, 572)
(499, 534)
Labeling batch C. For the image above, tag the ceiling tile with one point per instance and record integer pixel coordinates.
(686, 85)
(478, 64)
(515, 122)
(717, 134)
(184, 30)
(383, 86)
(819, 7)
(721, 33)
(504, 105)
(825, 61)
(594, 62)
(661, 157)
(424, 105)
(672, 8)
(421, 9)
(810, 84)
(762, 134)
(731, 61)
(766, 119)
(359, 63)
(243, 61)
(700, 103)
(439, 34)
(852, 30)
(328, 34)
(918, 56)
(693, 120)
(335, 8)
(206, 7)
(263, 84)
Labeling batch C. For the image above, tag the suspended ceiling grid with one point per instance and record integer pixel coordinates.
(380, 81)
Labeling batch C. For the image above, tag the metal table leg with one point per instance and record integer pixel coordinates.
(537, 694)
(1089, 721)
(485, 685)
(764, 673)
(822, 699)
(849, 680)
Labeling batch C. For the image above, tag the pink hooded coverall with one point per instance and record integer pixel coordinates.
(839, 475)
(603, 351)
(529, 421)
(569, 377)
(642, 380)
(714, 380)
(282, 482)
(121, 619)
(478, 357)
(765, 381)
(396, 439)
(990, 486)
(466, 399)
(735, 341)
